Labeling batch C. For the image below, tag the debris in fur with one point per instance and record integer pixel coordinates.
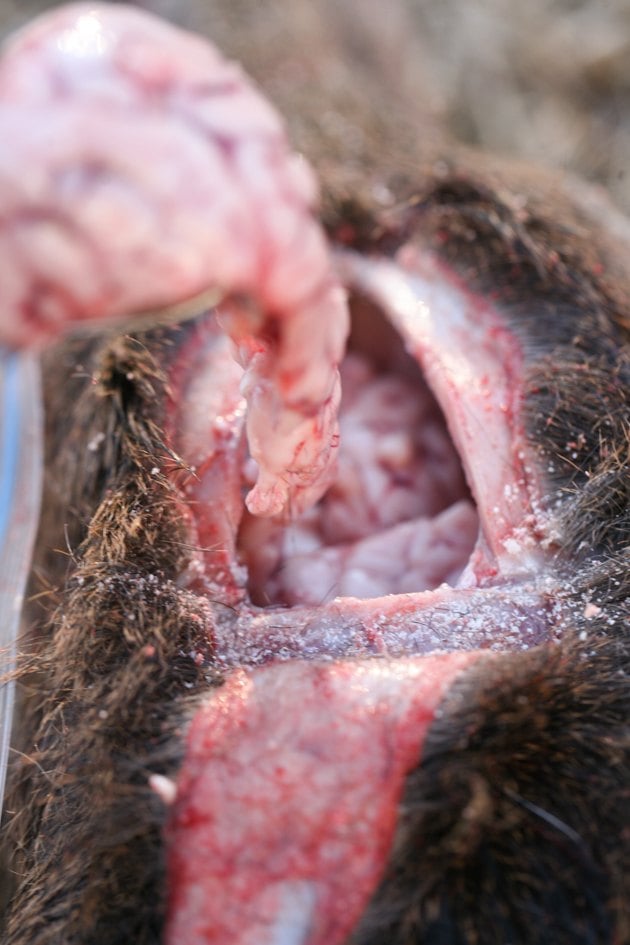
(514, 825)
(108, 680)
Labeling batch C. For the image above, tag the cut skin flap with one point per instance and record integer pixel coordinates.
(287, 802)
(434, 482)
(286, 807)
(346, 584)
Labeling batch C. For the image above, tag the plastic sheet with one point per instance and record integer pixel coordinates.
(21, 435)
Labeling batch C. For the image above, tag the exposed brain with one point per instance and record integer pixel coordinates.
(339, 653)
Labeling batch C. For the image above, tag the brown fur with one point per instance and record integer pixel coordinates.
(112, 671)
(514, 828)
(516, 825)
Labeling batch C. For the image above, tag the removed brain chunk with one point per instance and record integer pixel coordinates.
(147, 130)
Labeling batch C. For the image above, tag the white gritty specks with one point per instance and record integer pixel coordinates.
(164, 787)
(592, 610)
(95, 442)
(512, 546)
(296, 906)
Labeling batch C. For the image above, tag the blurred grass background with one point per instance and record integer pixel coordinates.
(544, 80)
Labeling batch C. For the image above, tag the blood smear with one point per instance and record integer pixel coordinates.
(288, 798)
(145, 170)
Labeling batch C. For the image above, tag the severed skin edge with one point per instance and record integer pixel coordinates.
(338, 649)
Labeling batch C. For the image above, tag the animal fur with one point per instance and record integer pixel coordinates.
(515, 828)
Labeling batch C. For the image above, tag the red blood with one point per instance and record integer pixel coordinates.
(287, 800)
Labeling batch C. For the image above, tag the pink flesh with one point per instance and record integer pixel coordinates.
(144, 171)
(369, 537)
(286, 806)
(397, 517)
(474, 366)
(497, 618)
(123, 128)
(287, 801)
